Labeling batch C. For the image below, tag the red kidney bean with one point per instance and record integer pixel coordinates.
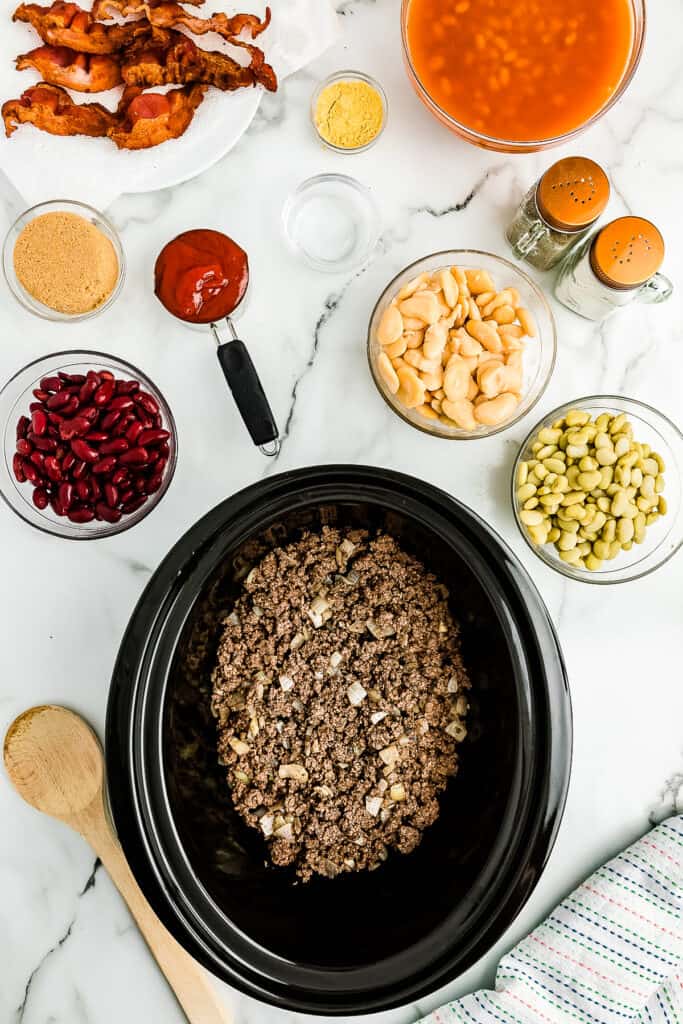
(134, 431)
(106, 374)
(53, 469)
(45, 444)
(71, 378)
(153, 484)
(95, 489)
(31, 472)
(72, 406)
(104, 466)
(77, 427)
(110, 420)
(55, 418)
(127, 387)
(58, 400)
(84, 451)
(87, 390)
(146, 421)
(134, 457)
(38, 459)
(159, 466)
(127, 495)
(135, 504)
(50, 383)
(116, 446)
(96, 436)
(18, 468)
(104, 392)
(68, 461)
(79, 470)
(152, 438)
(38, 422)
(145, 400)
(41, 395)
(111, 494)
(66, 495)
(22, 426)
(165, 450)
(158, 421)
(24, 447)
(108, 514)
(56, 505)
(82, 488)
(40, 498)
(89, 413)
(123, 424)
(84, 514)
(121, 402)
(121, 476)
(139, 484)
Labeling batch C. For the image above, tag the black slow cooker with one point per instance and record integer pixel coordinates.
(373, 940)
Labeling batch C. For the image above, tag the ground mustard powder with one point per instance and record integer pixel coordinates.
(349, 114)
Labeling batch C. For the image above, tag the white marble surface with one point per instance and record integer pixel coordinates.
(68, 950)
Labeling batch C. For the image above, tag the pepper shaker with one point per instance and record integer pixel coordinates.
(616, 265)
(558, 210)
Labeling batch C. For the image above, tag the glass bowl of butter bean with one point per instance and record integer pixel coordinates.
(461, 344)
(596, 489)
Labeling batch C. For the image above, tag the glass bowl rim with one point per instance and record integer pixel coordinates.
(357, 76)
(533, 145)
(45, 312)
(125, 523)
(538, 292)
(585, 575)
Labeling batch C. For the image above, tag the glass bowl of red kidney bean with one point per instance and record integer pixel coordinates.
(89, 445)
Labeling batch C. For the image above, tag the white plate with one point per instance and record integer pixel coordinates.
(43, 166)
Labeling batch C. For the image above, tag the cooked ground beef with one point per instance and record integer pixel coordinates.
(340, 698)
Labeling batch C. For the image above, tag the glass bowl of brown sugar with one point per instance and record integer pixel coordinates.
(63, 261)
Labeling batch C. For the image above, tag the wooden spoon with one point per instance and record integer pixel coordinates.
(55, 763)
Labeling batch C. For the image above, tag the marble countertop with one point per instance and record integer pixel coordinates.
(70, 952)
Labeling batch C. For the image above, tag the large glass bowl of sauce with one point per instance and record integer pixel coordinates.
(524, 75)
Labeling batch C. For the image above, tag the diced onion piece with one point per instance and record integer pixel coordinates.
(378, 716)
(286, 682)
(297, 641)
(457, 730)
(293, 771)
(389, 755)
(336, 659)
(453, 684)
(239, 746)
(397, 792)
(373, 805)
(266, 824)
(356, 694)
(285, 832)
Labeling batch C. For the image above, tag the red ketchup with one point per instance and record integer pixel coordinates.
(201, 276)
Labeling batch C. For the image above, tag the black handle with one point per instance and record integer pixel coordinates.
(247, 390)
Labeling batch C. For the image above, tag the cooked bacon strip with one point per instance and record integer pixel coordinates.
(171, 57)
(83, 72)
(168, 13)
(51, 109)
(147, 119)
(66, 24)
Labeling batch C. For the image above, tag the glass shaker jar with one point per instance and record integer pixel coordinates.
(558, 210)
(617, 265)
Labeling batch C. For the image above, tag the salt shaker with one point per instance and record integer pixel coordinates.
(558, 210)
(616, 265)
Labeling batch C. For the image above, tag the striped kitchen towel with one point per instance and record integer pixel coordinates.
(611, 953)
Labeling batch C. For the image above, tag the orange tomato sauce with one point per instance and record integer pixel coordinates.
(520, 70)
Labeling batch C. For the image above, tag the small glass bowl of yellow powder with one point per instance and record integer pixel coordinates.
(63, 261)
(349, 111)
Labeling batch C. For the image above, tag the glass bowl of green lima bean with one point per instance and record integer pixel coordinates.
(596, 489)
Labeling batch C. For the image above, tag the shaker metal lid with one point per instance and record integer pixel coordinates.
(572, 193)
(627, 252)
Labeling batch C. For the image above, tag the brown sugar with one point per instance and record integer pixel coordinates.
(65, 262)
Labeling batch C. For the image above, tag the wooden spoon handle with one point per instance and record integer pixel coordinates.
(188, 980)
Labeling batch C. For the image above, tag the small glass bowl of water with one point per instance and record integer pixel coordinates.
(331, 222)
